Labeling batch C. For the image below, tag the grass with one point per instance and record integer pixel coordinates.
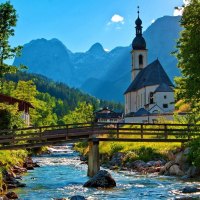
(135, 150)
(9, 158)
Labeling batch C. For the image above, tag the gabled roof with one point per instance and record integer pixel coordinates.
(152, 74)
(163, 88)
(12, 100)
(141, 112)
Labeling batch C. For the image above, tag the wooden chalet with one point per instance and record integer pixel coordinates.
(107, 115)
(23, 106)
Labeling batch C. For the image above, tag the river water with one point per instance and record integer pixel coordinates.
(62, 175)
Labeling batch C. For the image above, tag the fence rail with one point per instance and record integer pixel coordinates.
(130, 132)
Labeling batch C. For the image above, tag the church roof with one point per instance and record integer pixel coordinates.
(141, 112)
(152, 74)
(139, 43)
(164, 88)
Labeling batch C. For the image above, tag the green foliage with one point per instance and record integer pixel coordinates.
(10, 117)
(83, 113)
(81, 147)
(69, 96)
(115, 147)
(147, 154)
(194, 153)
(189, 58)
(8, 20)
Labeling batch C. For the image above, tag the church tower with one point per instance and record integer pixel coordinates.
(139, 51)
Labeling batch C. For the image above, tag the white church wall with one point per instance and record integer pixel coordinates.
(148, 90)
(135, 61)
(165, 100)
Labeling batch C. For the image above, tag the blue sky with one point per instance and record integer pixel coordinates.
(81, 23)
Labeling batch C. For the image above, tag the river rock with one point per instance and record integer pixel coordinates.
(11, 195)
(165, 168)
(193, 172)
(189, 189)
(139, 164)
(175, 170)
(101, 179)
(117, 159)
(77, 198)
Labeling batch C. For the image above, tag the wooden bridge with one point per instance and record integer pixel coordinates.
(94, 133)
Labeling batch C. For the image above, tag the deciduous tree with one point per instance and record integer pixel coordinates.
(8, 20)
(188, 86)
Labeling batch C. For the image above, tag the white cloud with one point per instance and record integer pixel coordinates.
(117, 19)
(153, 20)
(107, 50)
(178, 11)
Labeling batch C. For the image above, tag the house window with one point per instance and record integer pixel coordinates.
(165, 105)
(140, 60)
(151, 101)
(165, 96)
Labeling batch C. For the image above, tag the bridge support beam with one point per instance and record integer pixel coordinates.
(93, 159)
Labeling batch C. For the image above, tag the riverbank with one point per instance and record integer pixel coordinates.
(162, 159)
(62, 175)
(13, 165)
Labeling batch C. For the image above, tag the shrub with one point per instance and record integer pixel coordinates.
(194, 153)
(130, 157)
(115, 148)
(147, 154)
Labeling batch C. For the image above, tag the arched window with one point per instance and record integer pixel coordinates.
(140, 60)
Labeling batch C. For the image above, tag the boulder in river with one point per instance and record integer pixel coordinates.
(175, 170)
(77, 197)
(190, 189)
(101, 179)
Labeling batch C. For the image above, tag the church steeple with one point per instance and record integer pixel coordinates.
(139, 51)
(138, 23)
(139, 41)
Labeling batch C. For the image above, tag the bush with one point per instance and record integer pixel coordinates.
(194, 153)
(115, 148)
(130, 157)
(147, 154)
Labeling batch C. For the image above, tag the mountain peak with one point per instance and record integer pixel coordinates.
(96, 48)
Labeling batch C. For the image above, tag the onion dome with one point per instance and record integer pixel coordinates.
(139, 42)
(138, 21)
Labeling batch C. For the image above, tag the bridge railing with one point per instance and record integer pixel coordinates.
(140, 130)
(126, 131)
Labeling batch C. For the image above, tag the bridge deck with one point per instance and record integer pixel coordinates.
(48, 135)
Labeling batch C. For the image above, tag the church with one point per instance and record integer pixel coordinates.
(150, 95)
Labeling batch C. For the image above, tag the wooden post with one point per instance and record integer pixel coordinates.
(67, 132)
(141, 131)
(165, 132)
(93, 160)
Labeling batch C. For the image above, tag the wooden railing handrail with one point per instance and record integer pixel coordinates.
(85, 130)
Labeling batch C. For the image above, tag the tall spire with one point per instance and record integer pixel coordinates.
(138, 42)
(138, 10)
(138, 23)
